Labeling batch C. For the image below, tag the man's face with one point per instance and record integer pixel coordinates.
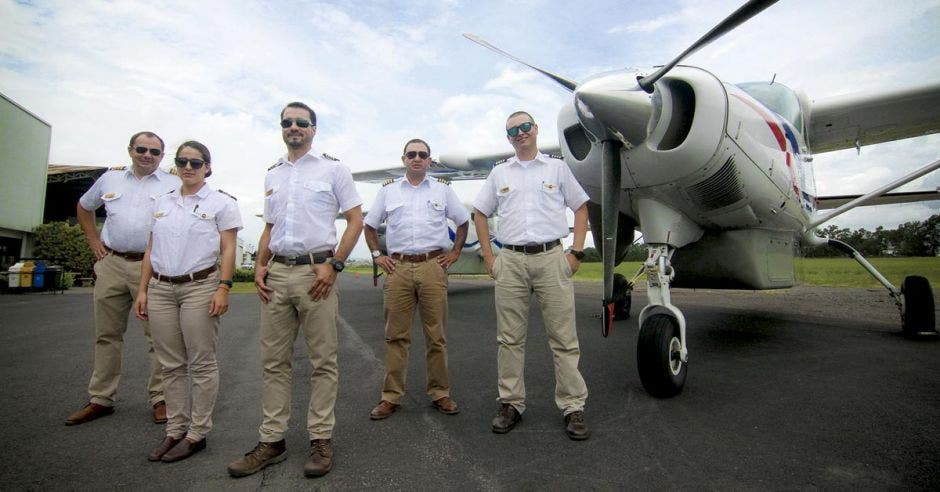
(295, 136)
(416, 164)
(145, 163)
(523, 141)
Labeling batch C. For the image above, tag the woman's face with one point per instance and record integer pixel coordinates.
(189, 175)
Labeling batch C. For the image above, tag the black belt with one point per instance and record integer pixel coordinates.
(531, 249)
(132, 256)
(304, 259)
(417, 258)
(189, 277)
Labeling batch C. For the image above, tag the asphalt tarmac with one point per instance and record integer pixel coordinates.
(808, 388)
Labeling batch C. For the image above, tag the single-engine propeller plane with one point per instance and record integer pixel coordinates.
(718, 179)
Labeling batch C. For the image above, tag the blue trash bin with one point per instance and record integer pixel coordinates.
(39, 275)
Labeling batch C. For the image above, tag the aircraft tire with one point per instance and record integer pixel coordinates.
(622, 297)
(919, 319)
(657, 356)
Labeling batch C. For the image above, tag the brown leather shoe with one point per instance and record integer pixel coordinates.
(88, 413)
(506, 419)
(183, 449)
(264, 454)
(446, 406)
(321, 458)
(575, 427)
(159, 412)
(383, 410)
(159, 451)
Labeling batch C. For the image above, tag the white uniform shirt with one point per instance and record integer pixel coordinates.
(302, 199)
(417, 215)
(186, 230)
(530, 198)
(129, 203)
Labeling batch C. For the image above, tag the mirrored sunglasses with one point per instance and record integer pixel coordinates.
(524, 128)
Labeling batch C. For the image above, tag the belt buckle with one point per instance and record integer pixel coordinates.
(290, 260)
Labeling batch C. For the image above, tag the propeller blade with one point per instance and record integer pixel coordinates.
(610, 210)
(745, 12)
(557, 78)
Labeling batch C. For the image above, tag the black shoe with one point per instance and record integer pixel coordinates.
(575, 427)
(506, 419)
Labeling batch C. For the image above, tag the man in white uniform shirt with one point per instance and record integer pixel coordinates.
(530, 192)
(418, 254)
(128, 196)
(296, 267)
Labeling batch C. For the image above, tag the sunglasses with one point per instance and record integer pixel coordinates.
(193, 163)
(411, 154)
(524, 128)
(144, 150)
(302, 123)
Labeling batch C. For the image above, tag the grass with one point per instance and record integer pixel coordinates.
(829, 272)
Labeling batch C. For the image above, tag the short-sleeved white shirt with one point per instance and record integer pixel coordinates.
(416, 215)
(129, 202)
(186, 230)
(530, 198)
(301, 200)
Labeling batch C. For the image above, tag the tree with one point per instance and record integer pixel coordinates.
(61, 242)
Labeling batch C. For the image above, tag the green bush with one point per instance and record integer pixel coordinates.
(64, 244)
(244, 275)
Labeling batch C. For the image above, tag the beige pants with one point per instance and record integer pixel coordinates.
(410, 285)
(289, 309)
(185, 338)
(115, 291)
(548, 276)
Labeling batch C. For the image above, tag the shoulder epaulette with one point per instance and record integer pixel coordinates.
(170, 192)
(501, 161)
(556, 156)
(275, 165)
(328, 156)
(388, 181)
(226, 194)
(443, 181)
(118, 168)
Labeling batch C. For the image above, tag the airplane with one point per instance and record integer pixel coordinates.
(718, 178)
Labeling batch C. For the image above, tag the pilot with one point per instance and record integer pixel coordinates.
(296, 267)
(128, 195)
(530, 192)
(419, 253)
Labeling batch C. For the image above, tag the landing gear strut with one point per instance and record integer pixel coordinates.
(661, 354)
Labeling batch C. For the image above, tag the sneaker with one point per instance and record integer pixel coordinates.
(321, 458)
(575, 427)
(264, 454)
(506, 419)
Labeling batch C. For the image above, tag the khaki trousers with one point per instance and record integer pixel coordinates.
(421, 284)
(291, 308)
(115, 291)
(185, 338)
(548, 276)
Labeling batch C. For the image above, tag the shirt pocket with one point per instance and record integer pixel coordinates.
(505, 196)
(163, 225)
(394, 212)
(436, 211)
(204, 224)
(318, 196)
(551, 197)
(112, 201)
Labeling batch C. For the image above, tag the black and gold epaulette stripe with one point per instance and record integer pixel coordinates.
(228, 195)
(556, 156)
(328, 156)
(388, 181)
(275, 165)
(117, 168)
(444, 180)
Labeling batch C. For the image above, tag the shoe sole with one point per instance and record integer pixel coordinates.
(504, 430)
(85, 421)
(578, 438)
(277, 459)
(315, 474)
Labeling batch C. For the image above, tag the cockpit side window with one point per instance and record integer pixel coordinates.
(778, 98)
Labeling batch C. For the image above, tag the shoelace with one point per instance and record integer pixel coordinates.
(576, 418)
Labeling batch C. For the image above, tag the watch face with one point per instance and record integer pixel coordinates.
(338, 265)
(376, 253)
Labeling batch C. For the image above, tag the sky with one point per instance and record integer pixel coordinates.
(380, 73)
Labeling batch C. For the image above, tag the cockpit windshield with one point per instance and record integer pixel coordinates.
(779, 98)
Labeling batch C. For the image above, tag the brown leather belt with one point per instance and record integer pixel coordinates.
(189, 277)
(531, 249)
(417, 258)
(127, 256)
(304, 259)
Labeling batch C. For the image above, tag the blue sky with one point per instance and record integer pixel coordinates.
(381, 73)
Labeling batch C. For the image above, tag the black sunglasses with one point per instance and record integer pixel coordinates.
(302, 123)
(525, 128)
(411, 154)
(144, 150)
(193, 163)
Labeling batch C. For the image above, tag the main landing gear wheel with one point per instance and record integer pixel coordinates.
(918, 319)
(658, 356)
(622, 300)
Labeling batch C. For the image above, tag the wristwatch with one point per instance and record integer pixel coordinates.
(228, 283)
(338, 265)
(578, 255)
(376, 253)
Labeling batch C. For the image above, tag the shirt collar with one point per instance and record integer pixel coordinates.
(539, 157)
(310, 154)
(425, 181)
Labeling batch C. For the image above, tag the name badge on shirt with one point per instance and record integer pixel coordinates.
(110, 196)
(269, 192)
(159, 214)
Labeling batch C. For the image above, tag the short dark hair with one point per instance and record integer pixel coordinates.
(416, 140)
(518, 113)
(146, 134)
(202, 149)
(297, 104)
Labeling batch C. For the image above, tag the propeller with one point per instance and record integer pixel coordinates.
(557, 78)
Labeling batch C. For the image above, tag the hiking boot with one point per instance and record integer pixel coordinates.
(264, 454)
(321, 458)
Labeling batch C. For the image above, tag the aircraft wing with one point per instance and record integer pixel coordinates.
(454, 167)
(844, 122)
(828, 202)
